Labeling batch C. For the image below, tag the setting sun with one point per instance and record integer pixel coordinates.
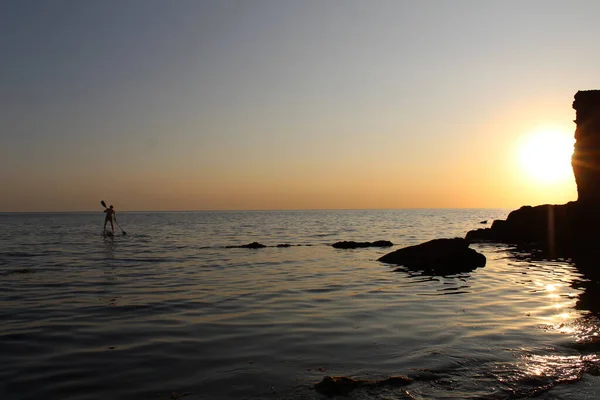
(545, 155)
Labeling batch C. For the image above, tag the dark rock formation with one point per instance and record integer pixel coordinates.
(256, 245)
(563, 230)
(534, 225)
(439, 256)
(570, 229)
(342, 385)
(355, 245)
(253, 245)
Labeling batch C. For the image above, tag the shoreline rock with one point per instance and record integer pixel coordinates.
(438, 256)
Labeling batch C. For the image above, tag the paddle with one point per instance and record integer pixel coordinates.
(104, 205)
(124, 233)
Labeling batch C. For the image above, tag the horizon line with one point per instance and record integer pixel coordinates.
(259, 210)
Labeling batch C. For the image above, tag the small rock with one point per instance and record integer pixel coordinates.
(355, 245)
(253, 245)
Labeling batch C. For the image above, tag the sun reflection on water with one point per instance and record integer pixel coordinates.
(554, 294)
(560, 368)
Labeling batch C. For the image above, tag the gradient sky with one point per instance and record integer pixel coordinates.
(250, 104)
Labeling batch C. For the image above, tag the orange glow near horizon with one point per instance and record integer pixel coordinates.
(541, 166)
(545, 156)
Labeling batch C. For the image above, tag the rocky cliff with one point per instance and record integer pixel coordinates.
(586, 155)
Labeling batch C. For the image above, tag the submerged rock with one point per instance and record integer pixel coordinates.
(342, 385)
(355, 245)
(253, 245)
(256, 245)
(438, 256)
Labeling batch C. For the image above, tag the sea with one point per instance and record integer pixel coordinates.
(170, 310)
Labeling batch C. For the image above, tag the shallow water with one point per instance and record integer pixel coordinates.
(167, 310)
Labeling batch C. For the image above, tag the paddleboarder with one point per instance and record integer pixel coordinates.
(110, 215)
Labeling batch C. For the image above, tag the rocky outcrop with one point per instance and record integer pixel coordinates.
(439, 257)
(565, 230)
(548, 227)
(356, 245)
(342, 385)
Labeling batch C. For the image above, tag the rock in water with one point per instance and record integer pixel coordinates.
(253, 245)
(355, 245)
(439, 256)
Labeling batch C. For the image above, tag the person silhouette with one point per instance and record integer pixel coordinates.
(111, 215)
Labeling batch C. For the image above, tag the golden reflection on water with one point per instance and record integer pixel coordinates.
(583, 330)
(559, 368)
(563, 367)
(554, 294)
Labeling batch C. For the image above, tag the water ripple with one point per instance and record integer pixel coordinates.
(166, 309)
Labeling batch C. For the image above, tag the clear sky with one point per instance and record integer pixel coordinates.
(251, 104)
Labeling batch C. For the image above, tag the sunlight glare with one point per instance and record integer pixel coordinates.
(545, 155)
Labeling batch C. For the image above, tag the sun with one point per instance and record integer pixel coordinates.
(545, 155)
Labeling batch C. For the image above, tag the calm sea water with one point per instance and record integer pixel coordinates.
(167, 310)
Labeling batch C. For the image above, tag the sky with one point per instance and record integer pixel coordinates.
(256, 104)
